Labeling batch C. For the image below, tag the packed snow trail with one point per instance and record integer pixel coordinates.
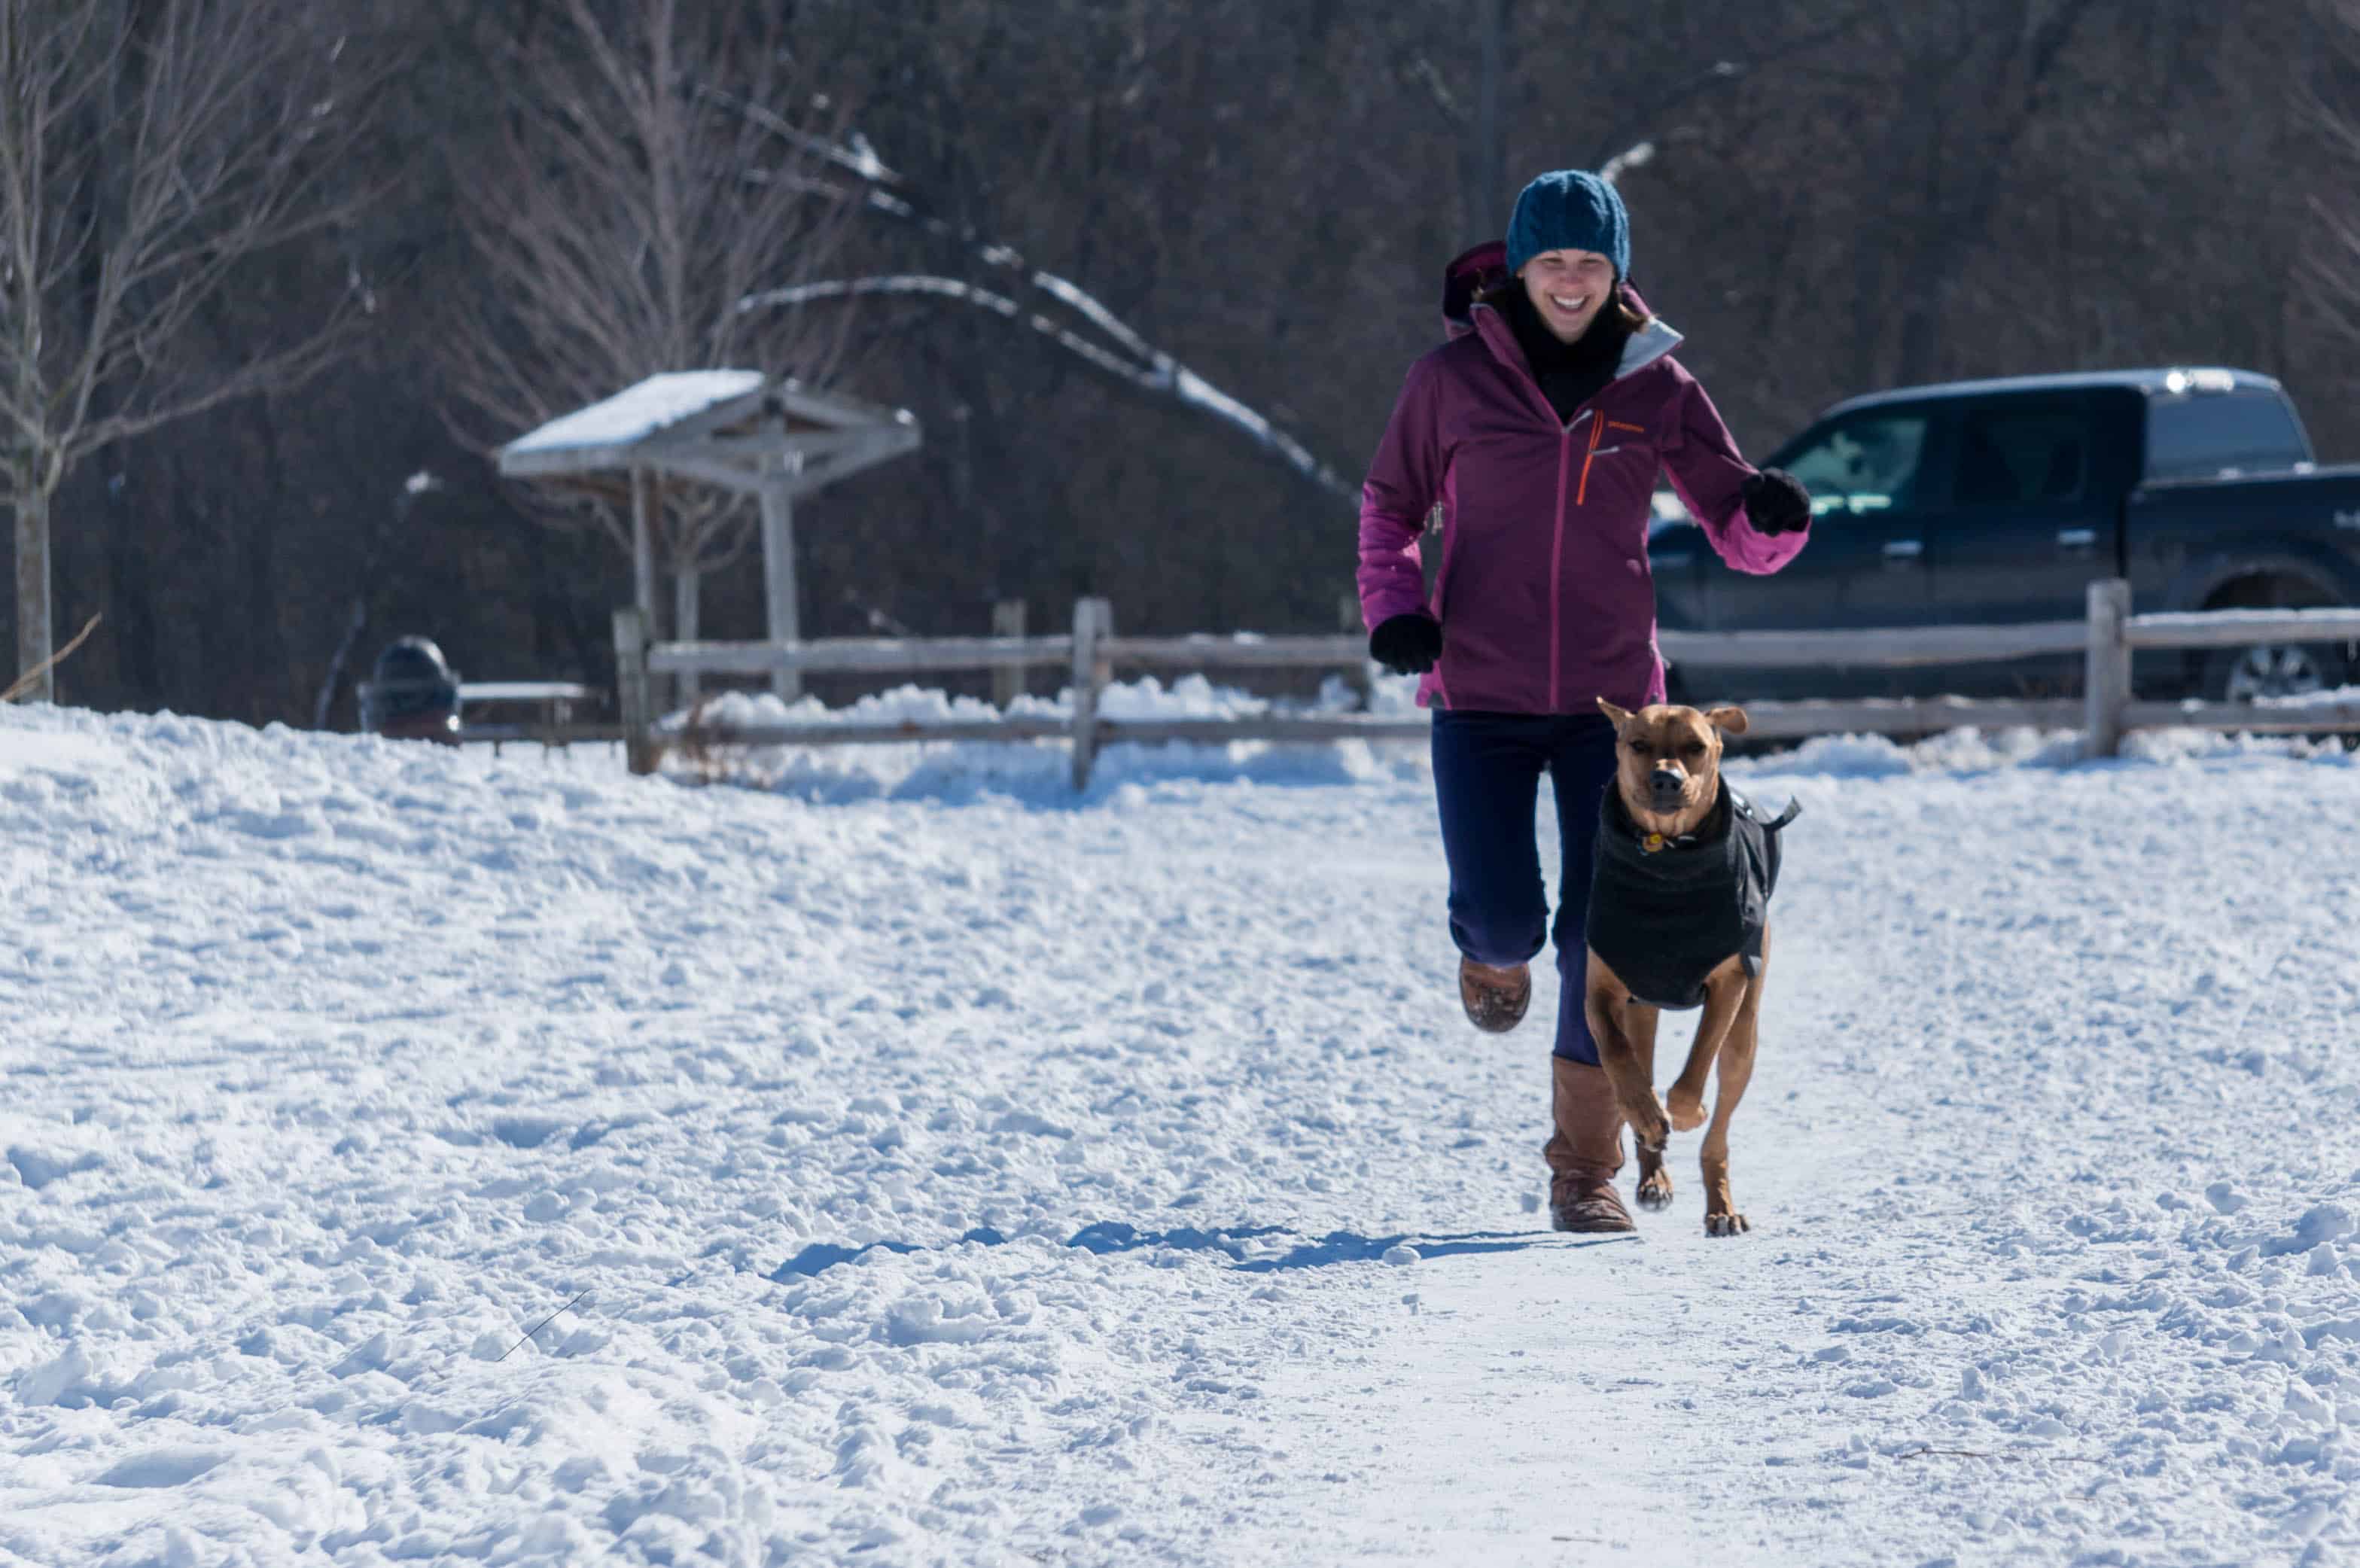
(965, 1179)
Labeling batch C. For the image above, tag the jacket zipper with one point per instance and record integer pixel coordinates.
(1556, 561)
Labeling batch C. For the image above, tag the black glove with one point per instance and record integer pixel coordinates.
(1406, 645)
(1777, 503)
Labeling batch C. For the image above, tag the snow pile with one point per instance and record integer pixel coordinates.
(2336, 696)
(1041, 771)
(1190, 697)
(1038, 771)
(422, 1155)
(1957, 751)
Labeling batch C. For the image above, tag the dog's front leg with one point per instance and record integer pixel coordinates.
(1604, 1002)
(1725, 993)
(1639, 1021)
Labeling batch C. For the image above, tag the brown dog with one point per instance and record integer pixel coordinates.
(1679, 918)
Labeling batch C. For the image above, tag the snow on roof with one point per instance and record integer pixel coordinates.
(637, 413)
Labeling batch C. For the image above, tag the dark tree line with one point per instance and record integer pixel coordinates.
(1827, 196)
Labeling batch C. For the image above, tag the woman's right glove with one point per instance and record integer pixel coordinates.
(1406, 645)
(1776, 501)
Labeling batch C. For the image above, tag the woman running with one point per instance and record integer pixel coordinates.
(1539, 429)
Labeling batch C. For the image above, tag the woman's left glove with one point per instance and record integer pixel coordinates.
(1406, 645)
(1777, 503)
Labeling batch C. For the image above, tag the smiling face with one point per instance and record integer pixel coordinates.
(1667, 763)
(1569, 288)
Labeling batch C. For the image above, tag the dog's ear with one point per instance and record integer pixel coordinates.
(1730, 721)
(1618, 716)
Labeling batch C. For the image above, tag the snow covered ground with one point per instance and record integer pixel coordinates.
(415, 1156)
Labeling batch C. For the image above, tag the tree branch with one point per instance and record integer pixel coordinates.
(1635, 127)
(1147, 368)
(1160, 376)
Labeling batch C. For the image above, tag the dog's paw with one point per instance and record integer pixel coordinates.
(1725, 1224)
(1687, 1110)
(1656, 1190)
(1650, 1129)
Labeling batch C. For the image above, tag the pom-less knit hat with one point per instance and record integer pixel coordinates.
(1569, 208)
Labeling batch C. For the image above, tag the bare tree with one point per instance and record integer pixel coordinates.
(145, 152)
(2332, 104)
(625, 209)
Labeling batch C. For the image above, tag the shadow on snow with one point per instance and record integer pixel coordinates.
(1235, 1242)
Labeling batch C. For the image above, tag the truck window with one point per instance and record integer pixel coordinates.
(2015, 455)
(2196, 435)
(1869, 463)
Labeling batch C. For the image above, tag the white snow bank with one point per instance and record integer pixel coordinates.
(419, 1156)
(2332, 697)
(1038, 771)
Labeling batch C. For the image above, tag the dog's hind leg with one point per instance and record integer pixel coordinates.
(1737, 1051)
(1725, 992)
(1654, 1182)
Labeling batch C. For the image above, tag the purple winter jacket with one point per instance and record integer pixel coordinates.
(1545, 594)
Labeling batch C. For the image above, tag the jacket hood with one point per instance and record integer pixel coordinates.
(1470, 273)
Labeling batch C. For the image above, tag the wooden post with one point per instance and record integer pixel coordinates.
(643, 553)
(631, 690)
(687, 588)
(779, 577)
(643, 558)
(1008, 680)
(2106, 682)
(1093, 620)
(1347, 619)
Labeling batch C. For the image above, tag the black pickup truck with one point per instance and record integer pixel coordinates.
(1988, 502)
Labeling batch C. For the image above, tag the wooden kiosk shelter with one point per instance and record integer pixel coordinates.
(738, 430)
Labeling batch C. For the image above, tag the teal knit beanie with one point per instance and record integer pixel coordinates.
(1569, 210)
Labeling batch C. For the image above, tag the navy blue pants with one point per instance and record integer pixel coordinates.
(1486, 774)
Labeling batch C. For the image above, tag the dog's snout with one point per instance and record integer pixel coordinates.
(1665, 781)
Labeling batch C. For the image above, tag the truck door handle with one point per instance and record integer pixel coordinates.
(1903, 549)
(2078, 539)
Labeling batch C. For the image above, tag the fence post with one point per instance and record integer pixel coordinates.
(1356, 674)
(2106, 678)
(631, 690)
(1008, 681)
(779, 596)
(1093, 619)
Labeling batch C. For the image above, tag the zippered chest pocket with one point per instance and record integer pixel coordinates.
(1609, 438)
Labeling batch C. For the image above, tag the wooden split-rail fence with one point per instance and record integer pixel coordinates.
(2106, 710)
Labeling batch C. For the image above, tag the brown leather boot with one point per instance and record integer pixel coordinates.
(1585, 1152)
(1495, 1000)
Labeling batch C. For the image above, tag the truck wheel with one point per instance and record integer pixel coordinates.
(2274, 670)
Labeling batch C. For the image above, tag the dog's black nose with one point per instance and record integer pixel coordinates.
(1665, 783)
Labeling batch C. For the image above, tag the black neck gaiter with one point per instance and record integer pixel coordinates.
(1571, 374)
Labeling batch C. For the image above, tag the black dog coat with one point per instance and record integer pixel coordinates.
(1665, 917)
